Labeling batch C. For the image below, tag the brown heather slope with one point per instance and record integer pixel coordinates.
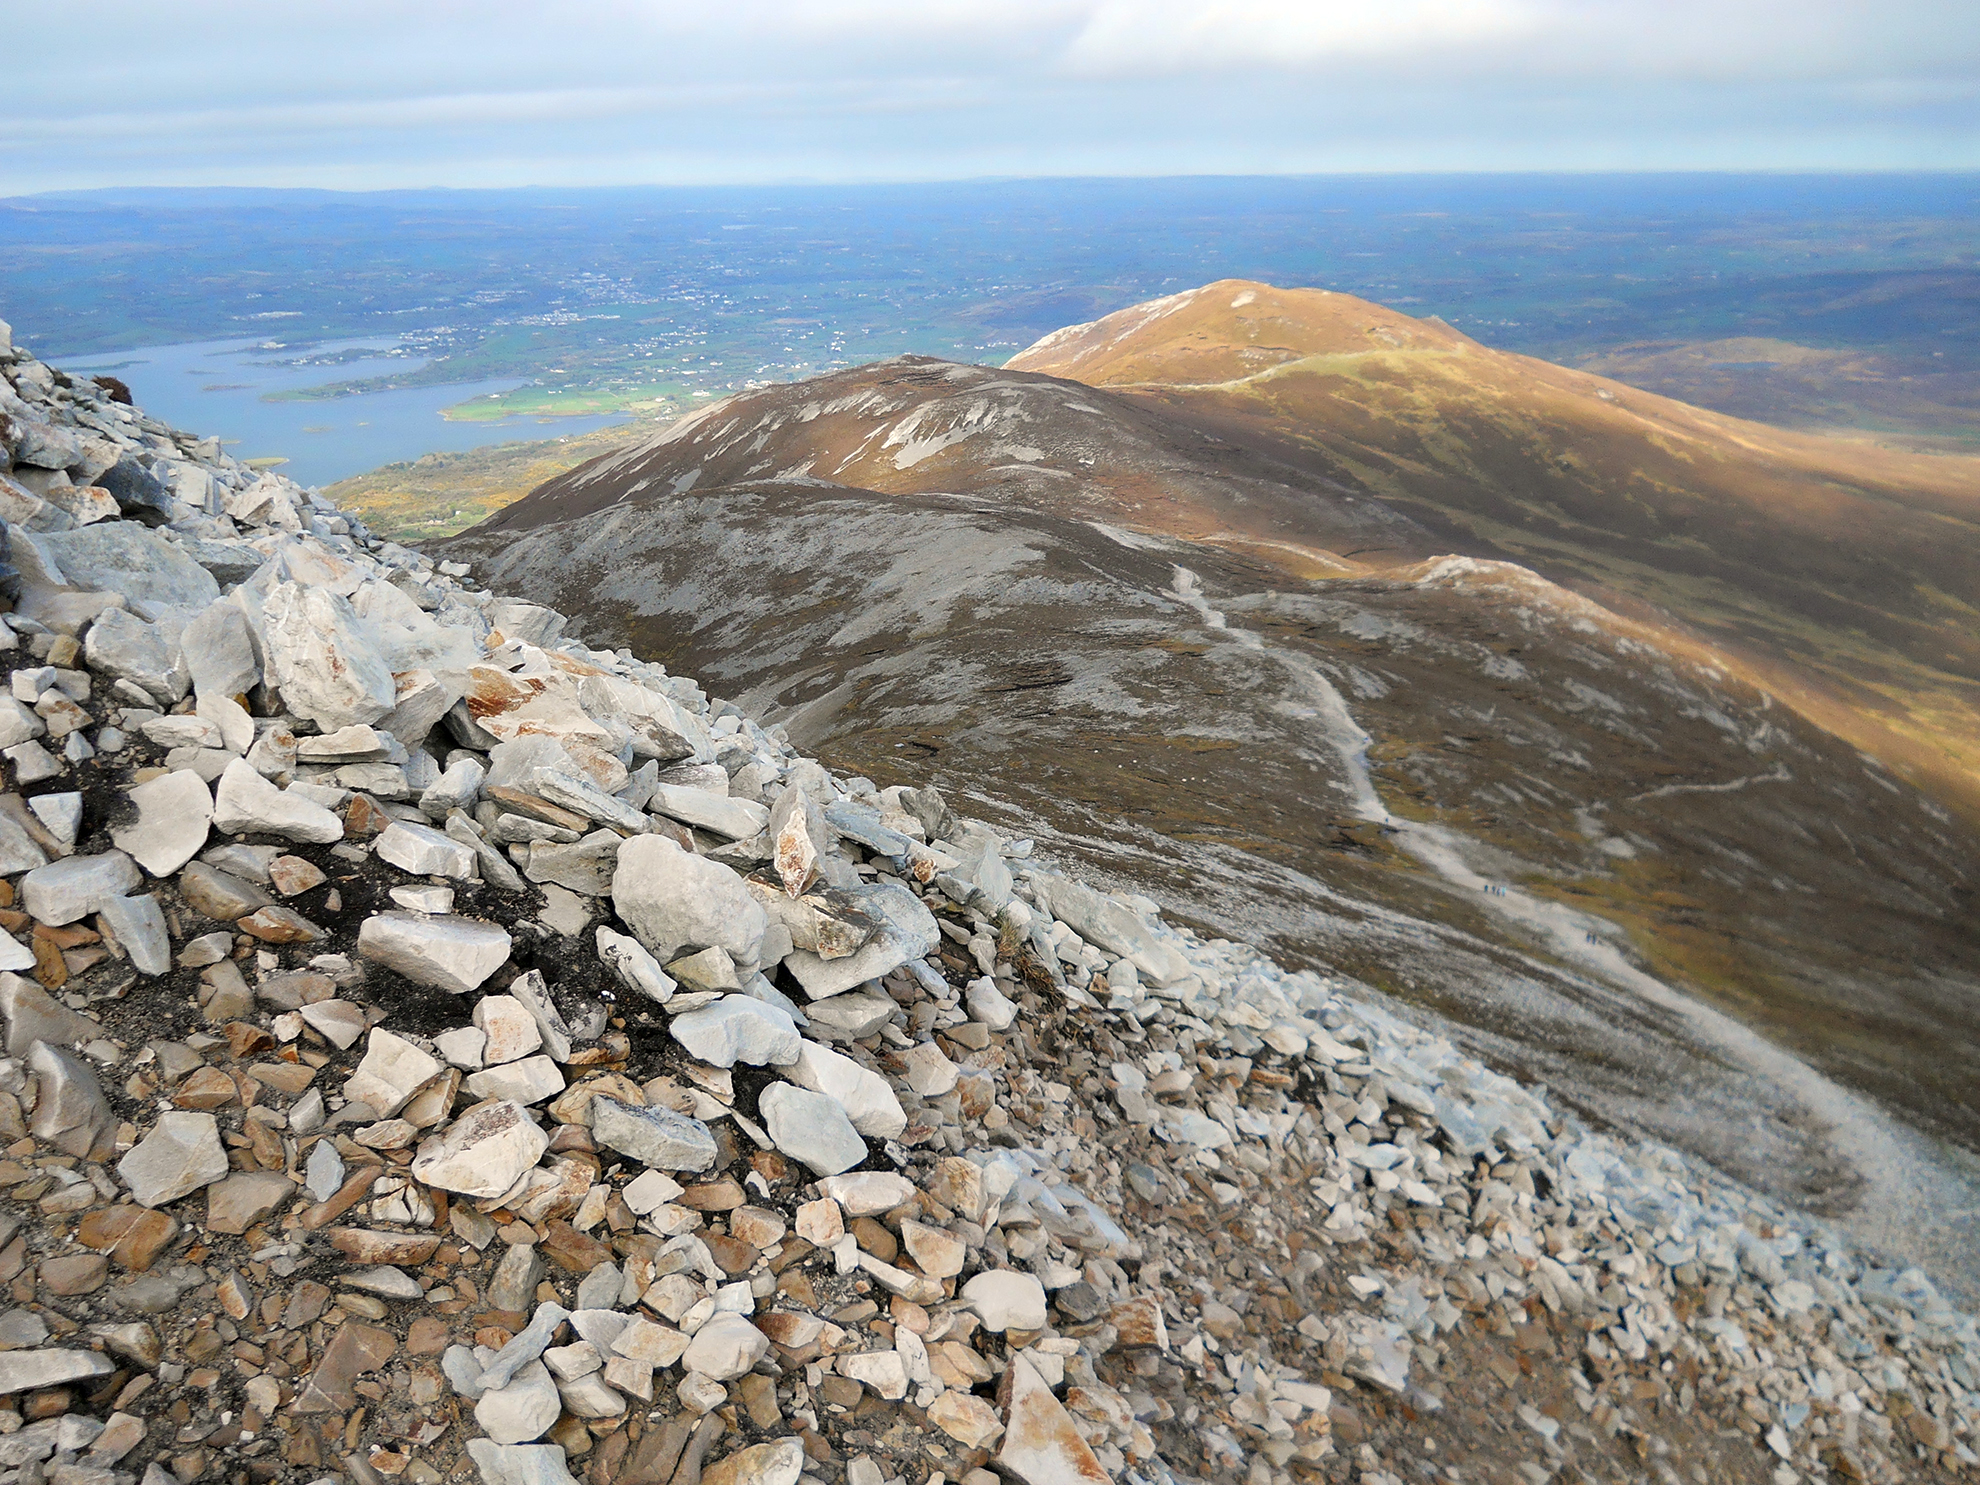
(1843, 577)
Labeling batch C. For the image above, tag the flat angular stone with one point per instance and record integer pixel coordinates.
(463, 1047)
(883, 1371)
(339, 1022)
(1005, 1299)
(138, 924)
(323, 658)
(868, 1193)
(22, 1371)
(851, 1017)
(868, 1099)
(456, 789)
(535, 996)
(811, 1128)
(125, 647)
(528, 1081)
(778, 1462)
(180, 1155)
(365, 1246)
(636, 969)
(61, 814)
(797, 838)
(33, 1015)
(450, 953)
(520, 1464)
(735, 819)
(1042, 1445)
(76, 886)
(291, 875)
(393, 1070)
(245, 1198)
(907, 932)
(523, 1410)
(219, 653)
(928, 1070)
(220, 895)
(936, 1253)
(482, 1153)
(510, 1029)
(355, 1349)
(657, 1345)
(244, 803)
(674, 901)
(724, 1348)
(70, 1111)
(584, 866)
(658, 1138)
(738, 1029)
(424, 851)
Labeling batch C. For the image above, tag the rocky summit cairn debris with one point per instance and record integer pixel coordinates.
(436, 1049)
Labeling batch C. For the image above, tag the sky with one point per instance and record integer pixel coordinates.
(367, 94)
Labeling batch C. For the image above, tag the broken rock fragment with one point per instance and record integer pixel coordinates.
(659, 1138)
(445, 951)
(174, 813)
(674, 901)
(811, 1128)
(483, 1152)
(181, 1154)
(245, 803)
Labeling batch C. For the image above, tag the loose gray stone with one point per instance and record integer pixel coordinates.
(450, 953)
(180, 1155)
(674, 901)
(138, 923)
(637, 970)
(245, 803)
(658, 1138)
(76, 886)
(811, 1128)
(738, 1029)
(323, 659)
(174, 814)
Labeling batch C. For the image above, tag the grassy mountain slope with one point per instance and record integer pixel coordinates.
(1843, 576)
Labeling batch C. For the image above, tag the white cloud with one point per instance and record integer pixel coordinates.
(517, 91)
(1137, 36)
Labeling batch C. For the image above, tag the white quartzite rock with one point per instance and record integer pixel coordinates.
(424, 851)
(76, 886)
(811, 1128)
(658, 1138)
(393, 1070)
(1005, 1299)
(245, 803)
(637, 970)
(868, 1099)
(174, 813)
(528, 1081)
(738, 1029)
(510, 1029)
(520, 1464)
(673, 901)
(523, 1410)
(483, 1152)
(725, 1348)
(180, 1155)
(869, 1192)
(450, 953)
(322, 658)
(908, 932)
